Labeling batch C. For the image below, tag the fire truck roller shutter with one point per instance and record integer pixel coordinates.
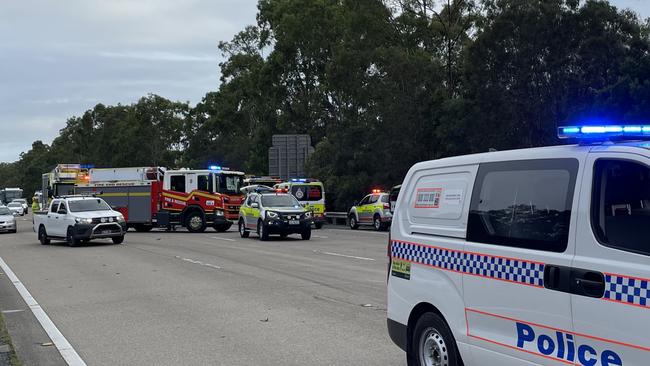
(139, 203)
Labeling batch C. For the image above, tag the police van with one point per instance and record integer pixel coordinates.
(529, 257)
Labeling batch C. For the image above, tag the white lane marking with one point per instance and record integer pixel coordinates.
(68, 353)
(344, 255)
(321, 237)
(226, 239)
(193, 261)
(12, 311)
(384, 233)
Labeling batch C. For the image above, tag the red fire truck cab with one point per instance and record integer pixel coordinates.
(196, 199)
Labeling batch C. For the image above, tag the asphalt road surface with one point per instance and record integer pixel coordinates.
(213, 298)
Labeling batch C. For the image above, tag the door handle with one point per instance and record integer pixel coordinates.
(588, 283)
(576, 281)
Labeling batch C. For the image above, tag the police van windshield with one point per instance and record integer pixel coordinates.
(284, 200)
(229, 184)
(305, 192)
(88, 205)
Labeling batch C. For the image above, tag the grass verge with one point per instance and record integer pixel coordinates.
(5, 339)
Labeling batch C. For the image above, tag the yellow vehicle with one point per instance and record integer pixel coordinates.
(311, 195)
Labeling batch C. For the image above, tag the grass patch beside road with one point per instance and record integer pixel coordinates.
(11, 356)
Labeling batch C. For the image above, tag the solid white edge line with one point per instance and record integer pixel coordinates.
(226, 239)
(68, 353)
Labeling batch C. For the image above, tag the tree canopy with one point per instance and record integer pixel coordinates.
(379, 86)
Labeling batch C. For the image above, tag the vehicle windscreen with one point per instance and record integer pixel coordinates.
(305, 192)
(19, 201)
(230, 184)
(88, 205)
(14, 204)
(283, 200)
(5, 211)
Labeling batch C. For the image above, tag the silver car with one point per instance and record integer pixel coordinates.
(16, 208)
(7, 220)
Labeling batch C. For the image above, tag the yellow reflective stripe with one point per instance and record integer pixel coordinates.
(194, 193)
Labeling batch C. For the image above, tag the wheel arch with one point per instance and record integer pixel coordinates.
(419, 310)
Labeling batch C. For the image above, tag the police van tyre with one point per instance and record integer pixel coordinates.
(262, 231)
(306, 234)
(42, 236)
(195, 222)
(70, 239)
(242, 229)
(353, 222)
(432, 343)
(319, 225)
(118, 239)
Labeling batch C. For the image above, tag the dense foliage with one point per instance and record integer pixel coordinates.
(379, 85)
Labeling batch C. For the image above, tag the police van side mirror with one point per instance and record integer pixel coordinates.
(255, 205)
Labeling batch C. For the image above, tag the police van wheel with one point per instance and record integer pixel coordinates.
(118, 239)
(222, 228)
(432, 343)
(353, 223)
(262, 231)
(306, 234)
(195, 223)
(318, 225)
(242, 229)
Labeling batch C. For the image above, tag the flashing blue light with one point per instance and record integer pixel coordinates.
(604, 131)
(214, 167)
(302, 180)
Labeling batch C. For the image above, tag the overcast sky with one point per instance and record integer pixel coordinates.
(60, 58)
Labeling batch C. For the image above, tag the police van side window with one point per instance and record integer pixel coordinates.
(374, 198)
(621, 205)
(525, 204)
(364, 201)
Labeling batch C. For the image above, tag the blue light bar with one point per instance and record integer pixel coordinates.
(214, 167)
(302, 180)
(604, 131)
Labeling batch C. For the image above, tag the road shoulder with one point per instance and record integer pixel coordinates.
(31, 343)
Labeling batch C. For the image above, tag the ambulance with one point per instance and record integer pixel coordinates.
(528, 257)
(311, 194)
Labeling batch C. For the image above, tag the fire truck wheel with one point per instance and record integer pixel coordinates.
(222, 228)
(262, 231)
(142, 228)
(195, 222)
(242, 229)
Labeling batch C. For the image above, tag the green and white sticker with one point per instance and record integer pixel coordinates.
(401, 269)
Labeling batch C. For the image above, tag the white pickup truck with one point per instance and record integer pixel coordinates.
(79, 219)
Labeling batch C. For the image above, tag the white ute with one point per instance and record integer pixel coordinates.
(79, 219)
(527, 257)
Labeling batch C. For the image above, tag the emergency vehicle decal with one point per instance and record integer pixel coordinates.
(482, 265)
(549, 342)
(627, 290)
(428, 197)
(191, 195)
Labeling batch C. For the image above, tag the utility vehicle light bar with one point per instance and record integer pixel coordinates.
(604, 131)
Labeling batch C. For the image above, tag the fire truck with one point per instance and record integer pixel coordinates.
(151, 197)
(200, 198)
(134, 192)
(61, 181)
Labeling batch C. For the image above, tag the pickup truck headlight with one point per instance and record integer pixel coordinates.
(81, 220)
(120, 219)
(218, 212)
(272, 215)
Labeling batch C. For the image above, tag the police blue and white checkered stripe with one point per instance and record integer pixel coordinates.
(512, 270)
(628, 290)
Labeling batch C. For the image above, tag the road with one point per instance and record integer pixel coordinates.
(214, 298)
